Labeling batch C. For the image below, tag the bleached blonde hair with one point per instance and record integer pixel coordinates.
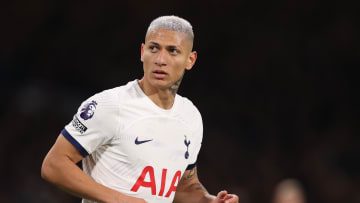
(173, 23)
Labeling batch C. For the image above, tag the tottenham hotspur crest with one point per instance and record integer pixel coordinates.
(187, 143)
(88, 110)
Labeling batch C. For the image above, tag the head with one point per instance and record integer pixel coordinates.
(167, 51)
(289, 191)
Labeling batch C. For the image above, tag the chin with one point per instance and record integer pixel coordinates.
(161, 84)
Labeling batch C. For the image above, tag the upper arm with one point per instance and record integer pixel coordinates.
(63, 147)
(95, 124)
(61, 150)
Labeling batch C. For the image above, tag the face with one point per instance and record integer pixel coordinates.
(166, 55)
(290, 196)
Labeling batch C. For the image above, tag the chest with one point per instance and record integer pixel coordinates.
(157, 140)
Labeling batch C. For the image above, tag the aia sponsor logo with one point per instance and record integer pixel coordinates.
(149, 171)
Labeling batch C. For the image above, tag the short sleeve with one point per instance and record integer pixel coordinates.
(197, 141)
(94, 124)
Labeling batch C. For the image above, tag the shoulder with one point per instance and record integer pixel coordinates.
(117, 94)
(189, 105)
(191, 116)
(105, 103)
(189, 110)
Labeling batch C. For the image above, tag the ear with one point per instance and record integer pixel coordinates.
(191, 60)
(142, 52)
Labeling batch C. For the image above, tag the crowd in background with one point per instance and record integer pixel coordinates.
(275, 82)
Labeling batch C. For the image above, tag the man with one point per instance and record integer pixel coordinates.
(138, 142)
(289, 191)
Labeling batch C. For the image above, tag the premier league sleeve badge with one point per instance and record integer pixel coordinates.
(88, 111)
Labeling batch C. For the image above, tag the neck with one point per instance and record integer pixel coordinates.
(164, 98)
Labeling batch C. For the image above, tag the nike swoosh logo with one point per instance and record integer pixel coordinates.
(141, 142)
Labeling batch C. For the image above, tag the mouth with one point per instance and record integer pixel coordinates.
(159, 74)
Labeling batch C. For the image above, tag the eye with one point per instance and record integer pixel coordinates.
(174, 51)
(153, 48)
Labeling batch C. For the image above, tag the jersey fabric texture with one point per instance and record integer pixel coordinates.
(133, 146)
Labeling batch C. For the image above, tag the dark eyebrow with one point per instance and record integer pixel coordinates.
(154, 43)
(172, 47)
(168, 47)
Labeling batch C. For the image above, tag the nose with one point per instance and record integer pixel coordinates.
(160, 59)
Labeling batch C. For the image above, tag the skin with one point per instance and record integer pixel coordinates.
(289, 191)
(191, 190)
(170, 53)
(59, 167)
(165, 56)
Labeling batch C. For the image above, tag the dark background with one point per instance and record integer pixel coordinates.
(275, 81)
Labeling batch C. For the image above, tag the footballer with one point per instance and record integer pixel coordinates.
(138, 142)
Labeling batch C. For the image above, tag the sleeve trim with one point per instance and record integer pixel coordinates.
(76, 144)
(191, 166)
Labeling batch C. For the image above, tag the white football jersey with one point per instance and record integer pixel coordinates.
(133, 146)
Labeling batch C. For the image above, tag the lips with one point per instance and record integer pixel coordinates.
(159, 74)
(159, 71)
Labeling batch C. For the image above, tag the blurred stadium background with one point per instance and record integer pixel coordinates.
(276, 82)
